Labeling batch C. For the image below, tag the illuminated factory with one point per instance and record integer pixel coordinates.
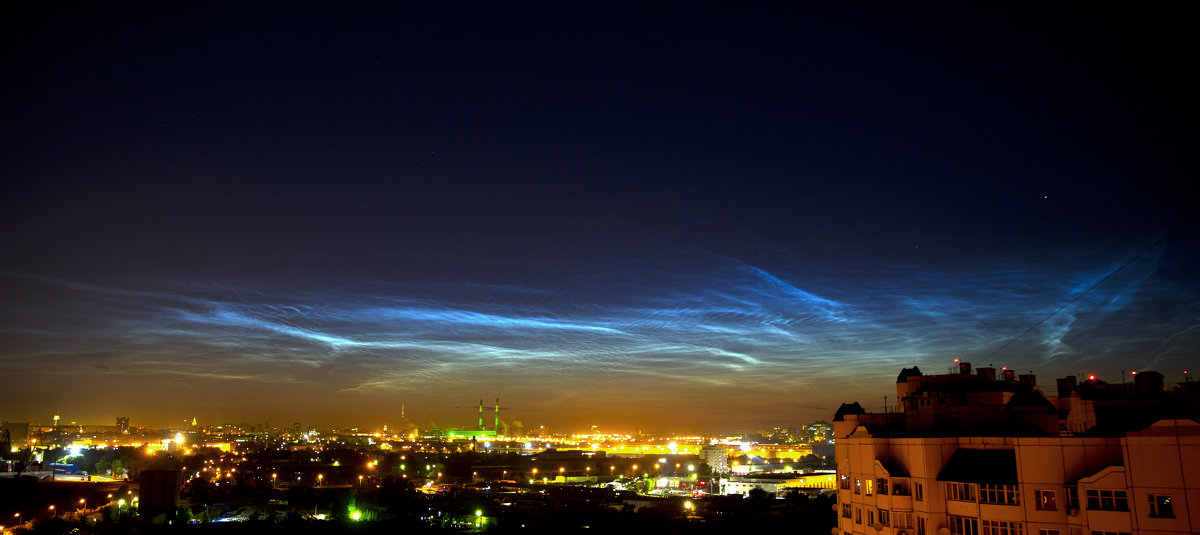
(482, 432)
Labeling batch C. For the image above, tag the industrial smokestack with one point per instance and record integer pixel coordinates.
(481, 414)
(497, 423)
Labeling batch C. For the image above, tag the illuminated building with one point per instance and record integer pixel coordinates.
(819, 436)
(972, 453)
(777, 484)
(716, 457)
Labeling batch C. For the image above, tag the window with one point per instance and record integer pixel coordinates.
(846, 511)
(857, 515)
(899, 489)
(1045, 500)
(963, 492)
(884, 517)
(870, 487)
(1111, 533)
(870, 517)
(857, 486)
(920, 496)
(961, 525)
(845, 482)
(882, 484)
(1072, 497)
(1000, 494)
(1000, 527)
(903, 520)
(1107, 500)
(1047, 532)
(1160, 506)
(921, 525)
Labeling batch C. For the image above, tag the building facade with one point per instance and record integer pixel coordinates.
(971, 453)
(716, 457)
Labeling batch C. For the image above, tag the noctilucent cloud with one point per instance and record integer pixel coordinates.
(705, 221)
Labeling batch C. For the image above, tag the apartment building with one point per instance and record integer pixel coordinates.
(973, 453)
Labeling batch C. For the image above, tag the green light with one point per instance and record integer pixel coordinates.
(356, 515)
(478, 512)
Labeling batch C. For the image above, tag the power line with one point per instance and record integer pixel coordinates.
(1092, 287)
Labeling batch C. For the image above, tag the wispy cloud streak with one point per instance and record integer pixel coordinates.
(720, 322)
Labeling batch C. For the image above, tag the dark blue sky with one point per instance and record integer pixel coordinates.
(663, 217)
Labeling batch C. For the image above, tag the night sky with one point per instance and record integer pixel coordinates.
(671, 218)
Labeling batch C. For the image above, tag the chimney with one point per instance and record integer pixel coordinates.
(1066, 385)
(1028, 379)
(1010, 375)
(481, 414)
(986, 373)
(497, 423)
(1148, 383)
(964, 368)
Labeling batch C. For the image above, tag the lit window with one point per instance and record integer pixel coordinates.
(1160, 506)
(870, 487)
(1046, 500)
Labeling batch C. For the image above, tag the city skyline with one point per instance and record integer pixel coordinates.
(667, 220)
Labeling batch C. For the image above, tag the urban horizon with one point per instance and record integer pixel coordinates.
(690, 220)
